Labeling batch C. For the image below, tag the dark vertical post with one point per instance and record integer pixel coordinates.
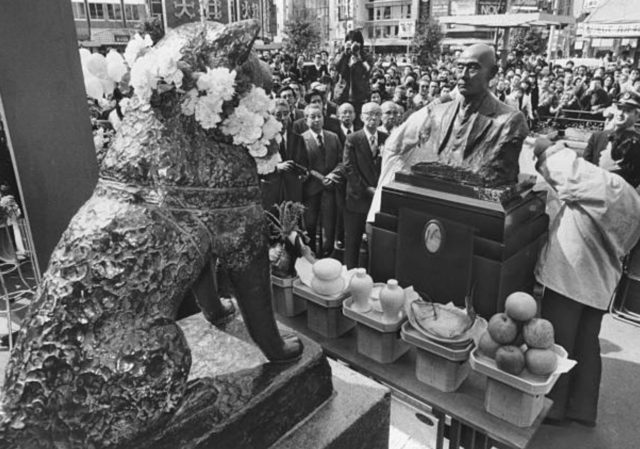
(45, 106)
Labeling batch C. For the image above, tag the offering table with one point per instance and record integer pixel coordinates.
(469, 426)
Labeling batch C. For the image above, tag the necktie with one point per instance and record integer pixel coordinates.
(374, 147)
(348, 131)
(320, 141)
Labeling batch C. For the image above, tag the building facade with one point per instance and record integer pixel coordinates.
(110, 23)
(102, 23)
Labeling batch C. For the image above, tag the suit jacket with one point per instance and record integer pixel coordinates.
(334, 126)
(599, 140)
(361, 169)
(293, 150)
(300, 125)
(324, 161)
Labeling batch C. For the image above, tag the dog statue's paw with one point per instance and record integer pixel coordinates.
(291, 350)
(224, 315)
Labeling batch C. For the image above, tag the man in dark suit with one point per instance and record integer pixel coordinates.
(324, 157)
(329, 123)
(625, 116)
(362, 169)
(285, 182)
(289, 94)
(344, 126)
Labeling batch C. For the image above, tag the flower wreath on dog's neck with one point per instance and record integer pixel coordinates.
(217, 97)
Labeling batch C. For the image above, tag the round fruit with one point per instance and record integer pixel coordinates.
(487, 345)
(538, 333)
(502, 328)
(520, 306)
(510, 359)
(541, 361)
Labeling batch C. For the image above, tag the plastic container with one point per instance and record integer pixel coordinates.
(324, 313)
(377, 339)
(515, 399)
(283, 300)
(441, 367)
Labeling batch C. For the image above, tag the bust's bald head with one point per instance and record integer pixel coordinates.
(482, 52)
(476, 66)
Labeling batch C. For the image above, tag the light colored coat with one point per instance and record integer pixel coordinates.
(596, 226)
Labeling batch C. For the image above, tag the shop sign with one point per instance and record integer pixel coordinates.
(406, 28)
(439, 8)
(490, 7)
(463, 7)
(183, 11)
(613, 30)
(121, 38)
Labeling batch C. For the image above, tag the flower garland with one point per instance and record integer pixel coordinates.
(250, 123)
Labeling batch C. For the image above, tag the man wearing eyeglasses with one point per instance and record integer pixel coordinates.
(362, 168)
(475, 132)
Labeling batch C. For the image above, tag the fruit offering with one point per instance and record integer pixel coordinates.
(516, 339)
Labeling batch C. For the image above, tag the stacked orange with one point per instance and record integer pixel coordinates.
(516, 339)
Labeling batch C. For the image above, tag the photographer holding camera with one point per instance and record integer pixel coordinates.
(353, 64)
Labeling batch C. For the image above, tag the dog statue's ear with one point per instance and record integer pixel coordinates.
(231, 46)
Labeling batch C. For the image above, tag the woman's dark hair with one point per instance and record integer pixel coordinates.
(355, 36)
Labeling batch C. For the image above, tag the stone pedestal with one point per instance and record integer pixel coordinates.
(236, 399)
(357, 416)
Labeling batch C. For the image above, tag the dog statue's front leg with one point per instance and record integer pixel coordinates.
(252, 284)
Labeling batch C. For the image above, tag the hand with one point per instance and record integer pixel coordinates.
(286, 166)
(327, 182)
(540, 146)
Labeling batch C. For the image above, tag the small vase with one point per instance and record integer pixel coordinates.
(360, 288)
(391, 300)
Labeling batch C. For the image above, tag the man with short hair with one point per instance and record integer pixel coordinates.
(289, 94)
(390, 116)
(324, 156)
(362, 169)
(626, 112)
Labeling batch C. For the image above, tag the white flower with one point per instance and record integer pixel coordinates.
(136, 47)
(219, 82)
(189, 103)
(167, 65)
(208, 111)
(244, 126)
(144, 76)
(116, 68)
(271, 129)
(256, 100)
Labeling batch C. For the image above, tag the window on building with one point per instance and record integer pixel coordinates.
(371, 11)
(156, 7)
(78, 11)
(131, 12)
(387, 12)
(114, 12)
(408, 9)
(96, 11)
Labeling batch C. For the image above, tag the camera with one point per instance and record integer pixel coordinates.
(355, 47)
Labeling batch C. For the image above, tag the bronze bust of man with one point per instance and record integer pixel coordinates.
(475, 133)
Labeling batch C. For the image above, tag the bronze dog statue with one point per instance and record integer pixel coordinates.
(99, 359)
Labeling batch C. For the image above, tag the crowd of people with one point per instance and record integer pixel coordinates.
(337, 110)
